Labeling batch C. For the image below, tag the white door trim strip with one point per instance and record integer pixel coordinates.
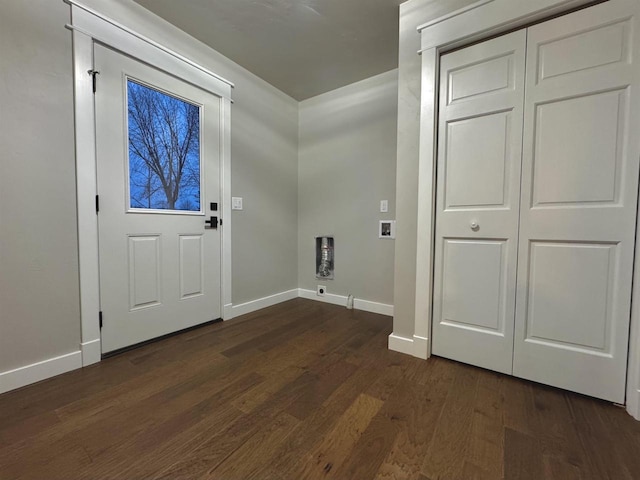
(81, 26)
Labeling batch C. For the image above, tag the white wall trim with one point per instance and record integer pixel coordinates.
(401, 344)
(455, 13)
(421, 347)
(103, 30)
(358, 304)
(143, 38)
(91, 352)
(86, 188)
(327, 298)
(264, 302)
(373, 307)
(633, 404)
(225, 207)
(633, 365)
(36, 372)
(489, 17)
(89, 26)
(416, 346)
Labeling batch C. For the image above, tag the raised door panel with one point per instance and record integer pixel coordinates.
(579, 199)
(570, 297)
(145, 271)
(478, 175)
(477, 161)
(474, 285)
(191, 265)
(576, 53)
(480, 78)
(579, 148)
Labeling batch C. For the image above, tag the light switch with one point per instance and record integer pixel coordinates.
(236, 203)
(384, 206)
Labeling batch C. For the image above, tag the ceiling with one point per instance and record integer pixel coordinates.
(302, 47)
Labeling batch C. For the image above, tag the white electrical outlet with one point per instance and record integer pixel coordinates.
(384, 206)
(321, 290)
(236, 203)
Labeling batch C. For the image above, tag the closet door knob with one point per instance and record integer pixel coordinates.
(474, 226)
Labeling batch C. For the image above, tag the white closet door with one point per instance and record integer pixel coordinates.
(479, 158)
(579, 193)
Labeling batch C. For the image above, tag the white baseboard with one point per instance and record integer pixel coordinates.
(260, 303)
(373, 307)
(36, 372)
(633, 404)
(421, 347)
(326, 298)
(416, 346)
(401, 344)
(91, 352)
(227, 312)
(358, 304)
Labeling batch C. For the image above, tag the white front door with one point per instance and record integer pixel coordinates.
(579, 194)
(158, 155)
(478, 195)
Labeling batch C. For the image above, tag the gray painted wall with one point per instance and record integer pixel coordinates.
(346, 166)
(412, 14)
(39, 292)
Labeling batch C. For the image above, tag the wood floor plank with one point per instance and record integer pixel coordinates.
(486, 448)
(523, 458)
(305, 390)
(310, 432)
(601, 442)
(254, 456)
(377, 440)
(451, 440)
(419, 420)
(326, 458)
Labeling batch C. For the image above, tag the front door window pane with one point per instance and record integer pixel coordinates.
(164, 150)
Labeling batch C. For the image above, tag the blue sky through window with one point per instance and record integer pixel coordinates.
(164, 150)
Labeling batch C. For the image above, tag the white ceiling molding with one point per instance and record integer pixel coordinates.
(110, 32)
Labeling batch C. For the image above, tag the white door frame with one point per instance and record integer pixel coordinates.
(89, 26)
(476, 22)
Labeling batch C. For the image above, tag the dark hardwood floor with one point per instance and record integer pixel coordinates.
(305, 390)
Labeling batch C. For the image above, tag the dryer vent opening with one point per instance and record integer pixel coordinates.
(324, 257)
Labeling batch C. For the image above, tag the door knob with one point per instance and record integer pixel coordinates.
(474, 226)
(212, 222)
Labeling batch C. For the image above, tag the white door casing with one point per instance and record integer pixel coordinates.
(579, 201)
(159, 269)
(477, 206)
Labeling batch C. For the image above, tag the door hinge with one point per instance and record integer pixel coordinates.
(100, 318)
(93, 74)
(97, 203)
